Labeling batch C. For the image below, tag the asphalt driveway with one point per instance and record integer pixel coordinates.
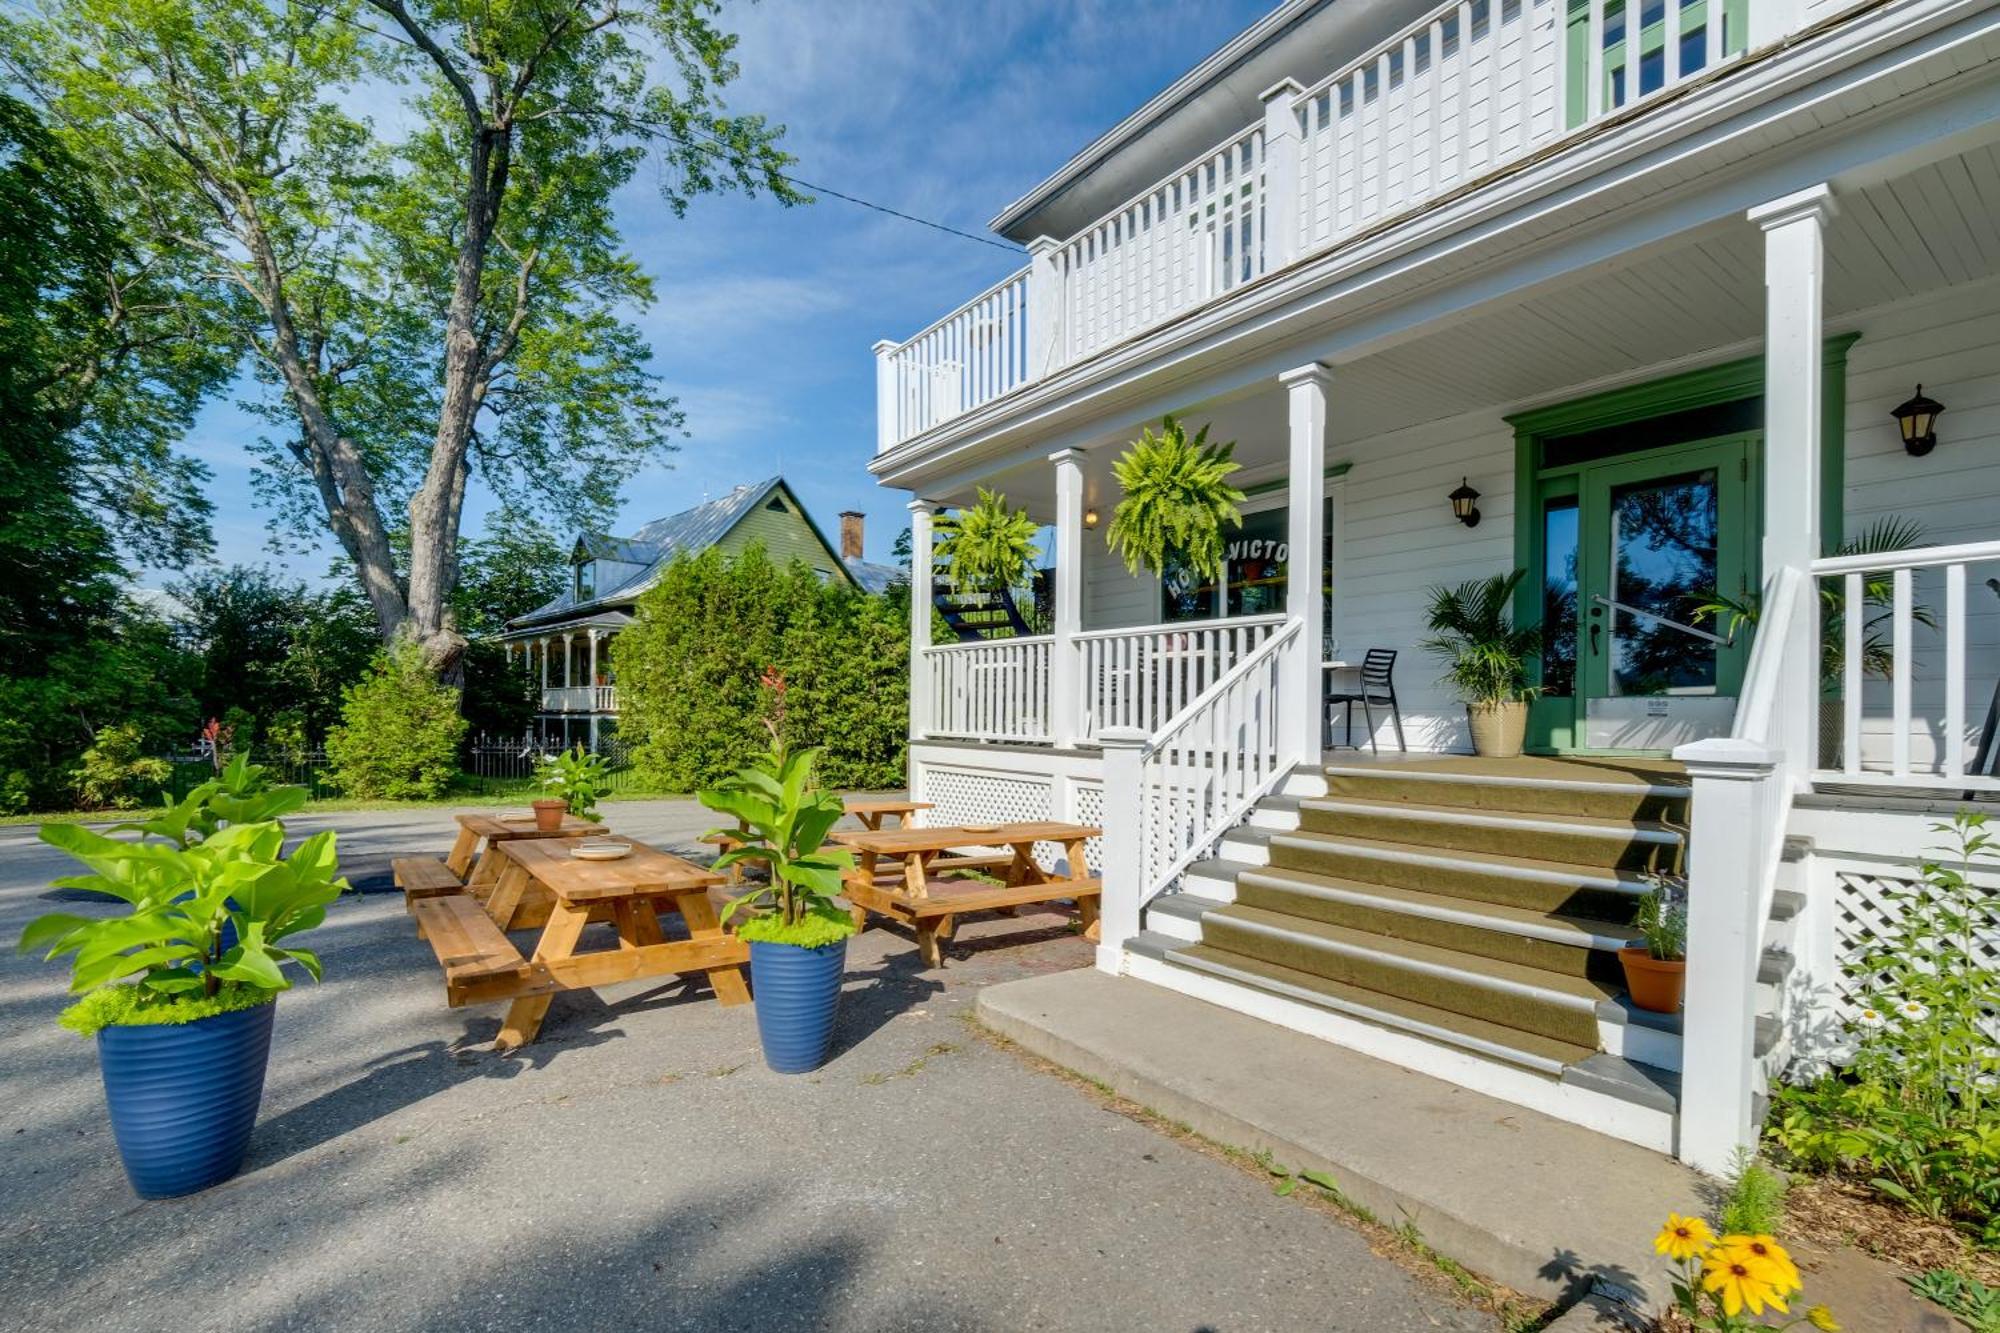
(638, 1167)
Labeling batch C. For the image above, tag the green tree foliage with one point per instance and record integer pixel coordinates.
(688, 672)
(399, 732)
(1177, 500)
(448, 300)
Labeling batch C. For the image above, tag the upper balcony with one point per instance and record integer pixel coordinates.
(1471, 89)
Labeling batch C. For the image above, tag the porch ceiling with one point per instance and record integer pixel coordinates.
(1696, 301)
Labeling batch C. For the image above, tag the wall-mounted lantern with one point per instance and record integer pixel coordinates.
(1090, 518)
(1918, 420)
(1465, 504)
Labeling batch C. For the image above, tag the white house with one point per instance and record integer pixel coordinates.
(1651, 280)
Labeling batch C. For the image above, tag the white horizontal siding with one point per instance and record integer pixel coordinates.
(1950, 343)
(1113, 599)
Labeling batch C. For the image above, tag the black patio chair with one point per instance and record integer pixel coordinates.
(1378, 686)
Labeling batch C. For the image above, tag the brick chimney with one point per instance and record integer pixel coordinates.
(850, 533)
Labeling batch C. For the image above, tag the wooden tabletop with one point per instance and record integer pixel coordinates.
(647, 872)
(884, 807)
(503, 829)
(899, 841)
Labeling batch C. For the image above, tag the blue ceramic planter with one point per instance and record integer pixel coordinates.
(797, 992)
(184, 1097)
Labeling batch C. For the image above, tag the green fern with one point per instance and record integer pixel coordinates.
(1177, 501)
(989, 547)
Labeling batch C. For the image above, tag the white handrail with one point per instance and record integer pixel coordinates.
(1202, 771)
(1181, 626)
(1917, 557)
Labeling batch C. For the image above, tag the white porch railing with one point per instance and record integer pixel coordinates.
(1140, 678)
(1473, 87)
(995, 690)
(580, 699)
(1844, 581)
(1216, 758)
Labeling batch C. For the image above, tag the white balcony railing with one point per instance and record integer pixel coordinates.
(995, 690)
(1915, 729)
(1471, 89)
(580, 699)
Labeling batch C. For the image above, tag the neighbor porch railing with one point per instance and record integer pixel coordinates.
(993, 690)
(1474, 87)
(1956, 738)
(580, 699)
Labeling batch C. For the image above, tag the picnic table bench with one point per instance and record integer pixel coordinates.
(922, 891)
(482, 965)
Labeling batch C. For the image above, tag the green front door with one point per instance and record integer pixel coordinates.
(1631, 546)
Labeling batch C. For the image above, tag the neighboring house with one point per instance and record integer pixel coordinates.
(1651, 280)
(564, 643)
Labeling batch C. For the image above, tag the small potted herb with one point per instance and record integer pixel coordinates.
(180, 986)
(574, 780)
(797, 933)
(1656, 965)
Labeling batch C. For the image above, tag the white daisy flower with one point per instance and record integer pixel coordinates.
(1911, 1011)
(1872, 1017)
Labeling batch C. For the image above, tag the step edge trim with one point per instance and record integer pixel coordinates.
(1511, 780)
(1493, 819)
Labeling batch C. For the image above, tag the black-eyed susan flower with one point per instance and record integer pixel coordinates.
(1822, 1319)
(1683, 1238)
(1741, 1283)
(1767, 1258)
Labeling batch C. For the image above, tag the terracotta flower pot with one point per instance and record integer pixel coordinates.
(549, 814)
(1498, 729)
(1655, 983)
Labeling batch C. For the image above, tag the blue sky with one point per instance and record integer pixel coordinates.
(947, 109)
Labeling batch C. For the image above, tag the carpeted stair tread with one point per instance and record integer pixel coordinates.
(1559, 942)
(1465, 1031)
(1522, 881)
(1583, 839)
(1579, 990)
(1617, 789)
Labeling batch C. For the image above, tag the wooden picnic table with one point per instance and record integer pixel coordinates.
(481, 964)
(931, 901)
(493, 830)
(872, 813)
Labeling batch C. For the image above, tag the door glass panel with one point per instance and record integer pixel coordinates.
(1559, 551)
(1663, 561)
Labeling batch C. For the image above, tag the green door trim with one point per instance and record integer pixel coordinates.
(1703, 387)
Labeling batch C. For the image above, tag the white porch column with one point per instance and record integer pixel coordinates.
(593, 669)
(1123, 846)
(1045, 307)
(1065, 702)
(545, 663)
(1794, 282)
(1299, 701)
(1281, 174)
(569, 659)
(921, 512)
(1732, 780)
(886, 417)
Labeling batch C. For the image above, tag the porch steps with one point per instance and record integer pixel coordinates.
(1461, 904)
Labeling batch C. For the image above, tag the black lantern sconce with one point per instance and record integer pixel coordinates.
(1464, 504)
(1918, 420)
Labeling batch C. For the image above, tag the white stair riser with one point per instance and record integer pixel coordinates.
(1250, 851)
(1281, 820)
(1187, 929)
(1637, 1042)
(1304, 782)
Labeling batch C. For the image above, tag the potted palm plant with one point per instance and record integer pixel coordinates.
(1177, 501)
(179, 986)
(1656, 965)
(1486, 659)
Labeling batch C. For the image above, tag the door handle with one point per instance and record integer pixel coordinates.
(1595, 630)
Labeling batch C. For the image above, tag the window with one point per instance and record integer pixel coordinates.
(1255, 557)
(586, 579)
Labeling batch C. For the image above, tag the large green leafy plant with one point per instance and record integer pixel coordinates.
(209, 902)
(1177, 501)
(782, 823)
(577, 778)
(987, 547)
(1914, 1109)
(1485, 654)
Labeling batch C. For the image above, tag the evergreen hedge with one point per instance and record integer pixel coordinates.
(399, 731)
(689, 664)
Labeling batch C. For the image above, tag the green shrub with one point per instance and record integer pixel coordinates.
(398, 733)
(689, 666)
(1755, 1202)
(117, 774)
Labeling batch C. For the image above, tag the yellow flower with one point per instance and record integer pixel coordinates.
(1740, 1283)
(1766, 1258)
(1683, 1238)
(1822, 1319)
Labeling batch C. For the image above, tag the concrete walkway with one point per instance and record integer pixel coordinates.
(640, 1168)
(1541, 1205)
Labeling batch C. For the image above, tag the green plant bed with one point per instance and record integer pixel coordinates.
(132, 1006)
